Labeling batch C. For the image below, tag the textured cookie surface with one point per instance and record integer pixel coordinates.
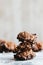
(25, 55)
(10, 46)
(37, 46)
(23, 47)
(6, 46)
(25, 36)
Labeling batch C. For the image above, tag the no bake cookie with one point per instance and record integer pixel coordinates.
(25, 36)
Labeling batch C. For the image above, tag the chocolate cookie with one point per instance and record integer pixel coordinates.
(37, 47)
(25, 55)
(6, 46)
(10, 46)
(25, 36)
(23, 47)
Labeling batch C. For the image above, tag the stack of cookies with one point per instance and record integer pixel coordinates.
(28, 45)
(26, 49)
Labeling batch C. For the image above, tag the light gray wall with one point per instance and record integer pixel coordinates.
(20, 15)
(32, 16)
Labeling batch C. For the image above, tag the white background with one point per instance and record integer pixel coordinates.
(20, 15)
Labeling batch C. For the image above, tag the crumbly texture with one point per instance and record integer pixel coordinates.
(23, 47)
(25, 55)
(10, 46)
(6, 46)
(25, 50)
(37, 46)
(25, 36)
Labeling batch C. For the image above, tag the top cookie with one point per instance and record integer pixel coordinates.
(25, 36)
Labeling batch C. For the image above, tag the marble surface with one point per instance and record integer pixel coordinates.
(8, 59)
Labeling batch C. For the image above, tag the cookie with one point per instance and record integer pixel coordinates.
(6, 46)
(23, 47)
(25, 55)
(25, 36)
(10, 46)
(37, 46)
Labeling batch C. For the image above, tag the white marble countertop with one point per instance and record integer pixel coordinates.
(8, 59)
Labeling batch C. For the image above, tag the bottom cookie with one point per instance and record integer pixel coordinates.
(27, 55)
